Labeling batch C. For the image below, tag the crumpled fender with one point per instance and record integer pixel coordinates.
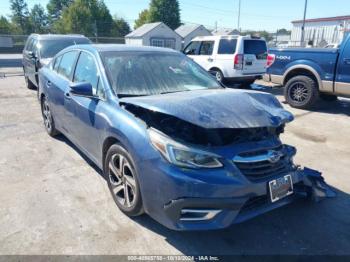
(316, 186)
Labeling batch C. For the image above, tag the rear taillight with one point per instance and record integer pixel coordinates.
(270, 60)
(238, 62)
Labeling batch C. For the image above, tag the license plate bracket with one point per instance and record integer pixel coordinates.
(281, 188)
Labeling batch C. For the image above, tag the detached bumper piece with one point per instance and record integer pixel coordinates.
(216, 213)
(315, 185)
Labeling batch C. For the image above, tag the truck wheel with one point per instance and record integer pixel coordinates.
(301, 92)
(328, 98)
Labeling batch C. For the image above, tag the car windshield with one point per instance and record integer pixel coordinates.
(152, 73)
(49, 48)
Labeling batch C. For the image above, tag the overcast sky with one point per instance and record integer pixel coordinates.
(255, 14)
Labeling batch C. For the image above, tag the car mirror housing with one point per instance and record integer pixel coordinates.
(81, 89)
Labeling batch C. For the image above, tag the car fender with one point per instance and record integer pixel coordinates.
(310, 66)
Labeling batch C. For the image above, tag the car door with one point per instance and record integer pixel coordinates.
(87, 119)
(342, 80)
(255, 56)
(205, 56)
(58, 87)
(29, 59)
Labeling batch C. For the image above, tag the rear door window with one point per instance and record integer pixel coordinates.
(256, 47)
(206, 48)
(227, 46)
(192, 48)
(67, 64)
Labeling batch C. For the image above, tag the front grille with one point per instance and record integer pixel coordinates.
(257, 165)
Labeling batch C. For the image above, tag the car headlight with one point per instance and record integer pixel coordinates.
(182, 155)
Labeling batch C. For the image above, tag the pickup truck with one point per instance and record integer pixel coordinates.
(308, 74)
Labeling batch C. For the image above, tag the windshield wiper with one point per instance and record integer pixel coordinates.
(131, 95)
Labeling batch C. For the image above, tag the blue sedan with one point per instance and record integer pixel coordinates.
(171, 141)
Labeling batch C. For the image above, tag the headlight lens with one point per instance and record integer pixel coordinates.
(182, 155)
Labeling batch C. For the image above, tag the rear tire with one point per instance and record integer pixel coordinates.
(328, 98)
(48, 118)
(122, 180)
(301, 92)
(219, 76)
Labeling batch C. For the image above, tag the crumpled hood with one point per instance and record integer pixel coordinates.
(217, 108)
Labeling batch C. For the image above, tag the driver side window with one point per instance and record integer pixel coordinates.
(192, 48)
(86, 71)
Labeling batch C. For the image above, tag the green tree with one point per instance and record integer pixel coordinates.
(166, 11)
(142, 19)
(38, 19)
(56, 7)
(88, 17)
(20, 15)
(283, 31)
(5, 25)
(120, 27)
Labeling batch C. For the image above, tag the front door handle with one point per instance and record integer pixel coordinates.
(347, 61)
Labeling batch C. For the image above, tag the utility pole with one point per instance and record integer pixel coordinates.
(239, 16)
(303, 27)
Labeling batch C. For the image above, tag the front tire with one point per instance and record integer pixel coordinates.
(301, 92)
(48, 119)
(122, 180)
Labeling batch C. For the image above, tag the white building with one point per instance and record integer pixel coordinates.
(154, 34)
(188, 32)
(321, 31)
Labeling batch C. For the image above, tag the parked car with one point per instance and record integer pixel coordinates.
(309, 74)
(170, 140)
(39, 50)
(240, 59)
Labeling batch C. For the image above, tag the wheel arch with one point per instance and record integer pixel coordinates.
(107, 143)
(304, 70)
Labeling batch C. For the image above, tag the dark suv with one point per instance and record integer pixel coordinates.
(39, 50)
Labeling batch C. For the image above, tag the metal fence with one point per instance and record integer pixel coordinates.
(14, 44)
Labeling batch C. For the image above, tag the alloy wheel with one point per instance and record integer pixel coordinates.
(218, 76)
(122, 180)
(298, 92)
(47, 115)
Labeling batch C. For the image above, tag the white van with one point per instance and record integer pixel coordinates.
(241, 59)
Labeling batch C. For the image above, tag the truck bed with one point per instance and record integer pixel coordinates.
(323, 58)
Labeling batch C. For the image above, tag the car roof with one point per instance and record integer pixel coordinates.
(56, 36)
(121, 48)
(218, 37)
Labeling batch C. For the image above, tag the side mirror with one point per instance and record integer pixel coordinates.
(81, 89)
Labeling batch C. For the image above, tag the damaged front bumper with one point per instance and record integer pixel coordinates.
(215, 213)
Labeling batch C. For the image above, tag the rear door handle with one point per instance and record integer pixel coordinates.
(347, 61)
(210, 59)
